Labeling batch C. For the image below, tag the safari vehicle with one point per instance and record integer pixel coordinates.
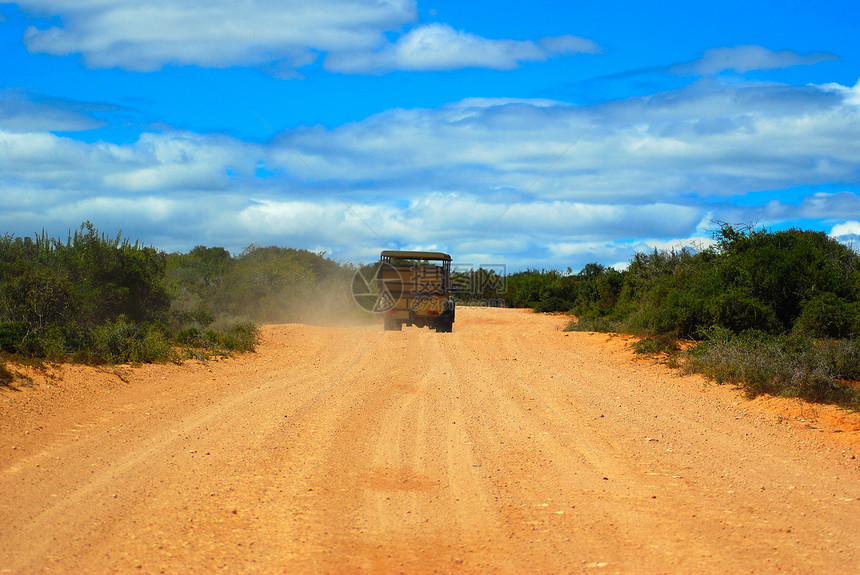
(415, 289)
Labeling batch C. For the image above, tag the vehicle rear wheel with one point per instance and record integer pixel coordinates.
(445, 325)
(391, 324)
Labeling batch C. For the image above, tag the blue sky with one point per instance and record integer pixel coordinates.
(544, 136)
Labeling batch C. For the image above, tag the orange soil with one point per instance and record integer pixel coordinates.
(508, 446)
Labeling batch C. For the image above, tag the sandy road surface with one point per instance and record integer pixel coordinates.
(507, 446)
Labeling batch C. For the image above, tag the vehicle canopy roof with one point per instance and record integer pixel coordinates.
(407, 255)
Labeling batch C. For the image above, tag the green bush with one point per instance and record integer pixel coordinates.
(776, 312)
(191, 336)
(738, 310)
(664, 343)
(41, 296)
(101, 299)
(776, 282)
(13, 335)
(243, 336)
(55, 295)
(240, 337)
(123, 342)
(828, 315)
(265, 284)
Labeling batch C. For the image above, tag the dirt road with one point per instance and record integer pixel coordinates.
(507, 446)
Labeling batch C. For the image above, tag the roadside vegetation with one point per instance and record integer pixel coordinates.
(776, 312)
(262, 284)
(6, 376)
(97, 299)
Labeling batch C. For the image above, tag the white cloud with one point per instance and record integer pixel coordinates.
(171, 161)
(147, 35)
(184, 161)
(500, 179)
(279, 37)
(824, 207)
(620, 252)
(708, 140)
(851, 95)
(821, 205)
(849, 228)
(744, 59)
(441, 47)
(455, 223)
(154, 210)
(847, 233)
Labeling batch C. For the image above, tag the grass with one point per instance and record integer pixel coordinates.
(665, 345)
(122, 341)
(814, 370)
(240, 337)
(6, 376)
(657, 344)
(13, 379)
